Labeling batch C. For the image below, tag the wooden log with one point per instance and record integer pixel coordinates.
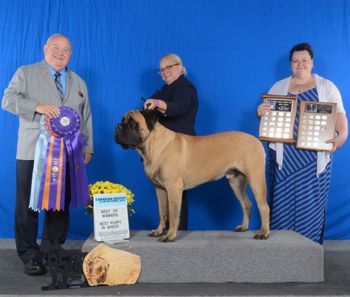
(104, 265)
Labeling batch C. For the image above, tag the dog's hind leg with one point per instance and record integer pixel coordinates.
(163, 213)
(258, 186)
(238, 183)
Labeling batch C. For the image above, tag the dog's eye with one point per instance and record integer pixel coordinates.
(132, 124)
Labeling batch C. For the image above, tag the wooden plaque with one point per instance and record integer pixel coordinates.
(105, 265)
(316, 125)
(277, 125)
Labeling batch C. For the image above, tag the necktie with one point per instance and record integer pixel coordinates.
(59, 84)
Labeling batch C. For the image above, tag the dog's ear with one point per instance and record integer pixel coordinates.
(151, 117)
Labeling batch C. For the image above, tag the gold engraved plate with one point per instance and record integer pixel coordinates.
(277, 124)
(316, 125)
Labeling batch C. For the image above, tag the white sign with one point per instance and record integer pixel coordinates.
(111, 221)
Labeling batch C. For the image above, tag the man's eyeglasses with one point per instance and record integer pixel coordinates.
(167, 68)
(65, 50)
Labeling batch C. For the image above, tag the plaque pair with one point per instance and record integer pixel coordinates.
(316, 122)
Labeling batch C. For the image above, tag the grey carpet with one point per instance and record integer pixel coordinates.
(13, 282)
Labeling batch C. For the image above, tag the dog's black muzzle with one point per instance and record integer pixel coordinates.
(117, 133)
(118, 136)
(125, 137)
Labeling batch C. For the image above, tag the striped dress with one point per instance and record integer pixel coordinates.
(298, 197)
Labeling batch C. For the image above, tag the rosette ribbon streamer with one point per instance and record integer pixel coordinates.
(39, 161)
(64, 140)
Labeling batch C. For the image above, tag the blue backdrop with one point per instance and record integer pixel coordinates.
(234, 51)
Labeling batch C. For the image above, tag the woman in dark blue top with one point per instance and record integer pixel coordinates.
(177, 104)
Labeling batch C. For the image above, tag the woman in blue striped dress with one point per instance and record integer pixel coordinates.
(299, 179)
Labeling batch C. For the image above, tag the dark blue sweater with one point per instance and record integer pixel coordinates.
(182, 104)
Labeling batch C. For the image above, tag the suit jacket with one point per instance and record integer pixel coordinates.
(34, 84)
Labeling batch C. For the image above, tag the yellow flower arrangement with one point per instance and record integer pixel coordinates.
(106, 187)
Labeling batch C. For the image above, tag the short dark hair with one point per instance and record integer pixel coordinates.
(301, 47)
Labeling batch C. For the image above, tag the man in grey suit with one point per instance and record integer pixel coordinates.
(35, 90)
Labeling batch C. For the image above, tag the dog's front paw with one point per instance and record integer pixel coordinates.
(166, 238)
(261, 235)
(156, 233)
(241, 228)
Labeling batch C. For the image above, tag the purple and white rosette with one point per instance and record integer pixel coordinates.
(67, 125)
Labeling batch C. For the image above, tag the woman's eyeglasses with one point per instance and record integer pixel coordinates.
(167, 68)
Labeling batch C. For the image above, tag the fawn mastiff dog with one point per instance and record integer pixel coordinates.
(175, 162)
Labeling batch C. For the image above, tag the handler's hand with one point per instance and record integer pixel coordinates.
(151, 104)
(87, 158)
(49, 110)
(337, 143)
(262, 109)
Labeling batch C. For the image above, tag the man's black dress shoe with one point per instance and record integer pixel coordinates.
(33, 267)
